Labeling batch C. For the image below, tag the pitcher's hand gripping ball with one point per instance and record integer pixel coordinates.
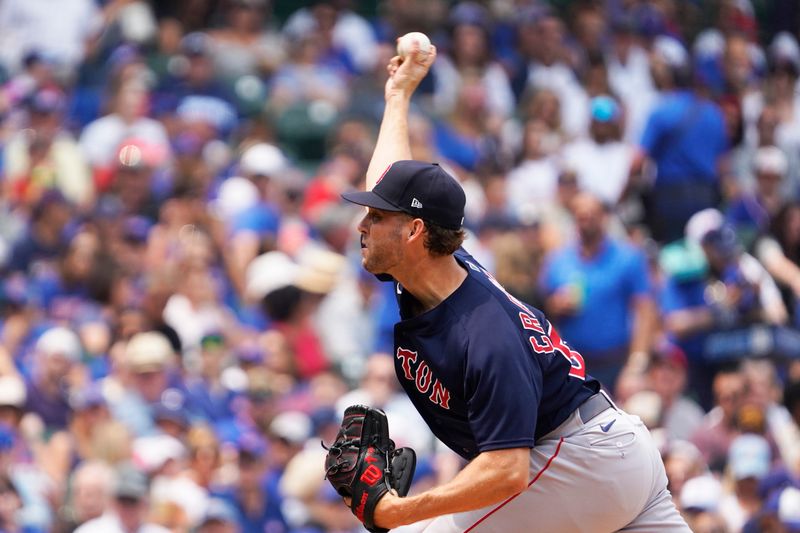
(362, 464)
(406, 43)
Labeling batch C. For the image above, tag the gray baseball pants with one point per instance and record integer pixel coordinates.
(598, 476)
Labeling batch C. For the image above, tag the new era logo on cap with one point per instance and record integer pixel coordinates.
(420, 189)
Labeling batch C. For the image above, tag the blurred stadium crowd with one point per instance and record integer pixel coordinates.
(183, 316)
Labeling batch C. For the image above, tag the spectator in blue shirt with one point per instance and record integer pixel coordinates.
(207, 397)
(735, 291)
(685, 138)
(600, 295)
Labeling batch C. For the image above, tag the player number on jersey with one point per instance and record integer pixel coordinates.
(545, 343)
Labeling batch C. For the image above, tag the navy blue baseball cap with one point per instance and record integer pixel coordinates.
(423, 190)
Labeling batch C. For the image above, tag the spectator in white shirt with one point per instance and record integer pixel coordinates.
(535, 178)
(602, 160)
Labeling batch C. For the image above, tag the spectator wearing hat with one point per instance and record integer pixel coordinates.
(45, 156)
(685, 138)
(149, 360)
(749, 461)
(555, 219)
(289, 297)
(602, 160)
(126, 241)
(345, 318)
(129, 507)
(57, 352)
(170, 416)
(287, 434)
(750, 295)
(753, 211)
(699, 501)
(595, 280)
(762, 130)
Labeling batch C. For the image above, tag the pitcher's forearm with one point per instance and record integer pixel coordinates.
(488, 479)
(393, 143)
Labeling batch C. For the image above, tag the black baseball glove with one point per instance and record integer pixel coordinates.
(363, 464)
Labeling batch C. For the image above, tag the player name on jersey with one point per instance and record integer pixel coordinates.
(420, 373)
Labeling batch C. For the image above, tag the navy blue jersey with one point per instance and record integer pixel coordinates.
(485, 370)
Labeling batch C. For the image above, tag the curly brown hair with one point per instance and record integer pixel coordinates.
(442, 241)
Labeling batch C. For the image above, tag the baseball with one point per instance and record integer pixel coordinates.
(406, 42)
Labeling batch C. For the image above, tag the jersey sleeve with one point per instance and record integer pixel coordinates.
(503, 388)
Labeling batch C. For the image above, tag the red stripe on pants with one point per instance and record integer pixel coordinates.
(490, 513)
